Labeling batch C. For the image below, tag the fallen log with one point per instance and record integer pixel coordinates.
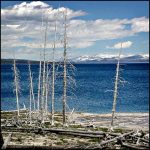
(6, 142)
(22, 147)
(144, 140)
(15, 129)
(2, 140)
(83, 135)
(51, 130)
(141, 139)
(29, 147)
(133, 146)
(116, 138)
(113, 134)
(74, 131)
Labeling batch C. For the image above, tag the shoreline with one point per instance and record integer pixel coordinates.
(138, 120)
(86, 113)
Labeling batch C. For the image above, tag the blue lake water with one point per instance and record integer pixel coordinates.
(94, 88)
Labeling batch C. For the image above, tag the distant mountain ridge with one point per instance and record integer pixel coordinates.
(21, 61)
(112, 59)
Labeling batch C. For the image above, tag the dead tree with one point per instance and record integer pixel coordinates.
(39, 85)
(16, 82)
(53, 75)
(65, 70)
(6, 142)
(44, 69)
(30, 79)
(116, 88)
(47, 88)
(2, 140)
(40, 71)
(31, 85)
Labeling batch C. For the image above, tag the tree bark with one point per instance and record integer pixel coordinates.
(39, 85)
(65, 73)
(16, 86)
(43, 82)
(53, 78)
(115, 90)
(6, 142)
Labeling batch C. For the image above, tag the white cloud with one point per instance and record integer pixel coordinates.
(140, 24)
(123, 45)
(34, 4)
(126, 44)
(35, 10)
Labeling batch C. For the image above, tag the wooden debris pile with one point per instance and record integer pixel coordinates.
(105, 140)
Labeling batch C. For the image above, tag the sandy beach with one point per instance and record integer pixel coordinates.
(137, 121)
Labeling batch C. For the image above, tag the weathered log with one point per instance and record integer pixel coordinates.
(116, 138)
(6, 142)
(75, 131)
(133, 146)
(52, 130)
(22, 147)
(2, 140)
(141, 139)
(113, 134)
(83, 135)
(144, 140)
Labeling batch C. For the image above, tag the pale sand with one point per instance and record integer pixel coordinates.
(122, 120)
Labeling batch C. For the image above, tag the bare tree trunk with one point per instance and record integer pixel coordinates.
(43, 86)
(65, 74)
(39, 85)
(40, 69)
(53, 78)
(30, 93)
(30, 112)
(116, 88)
(16, 85)
(31, 85)
(46, 104)
(53, 95)
(2, 140)
(7, 141)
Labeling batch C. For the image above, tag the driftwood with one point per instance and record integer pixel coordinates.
(83, 135)
(2, 140)
(22, 147)
(74, 131)
(113, 134)
(52, 130)
(132, 146)
(141, 139)
(144, 140)
(6, 142)
(129, 140)
(116, 138)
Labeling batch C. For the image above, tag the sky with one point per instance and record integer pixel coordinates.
(94, 28)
